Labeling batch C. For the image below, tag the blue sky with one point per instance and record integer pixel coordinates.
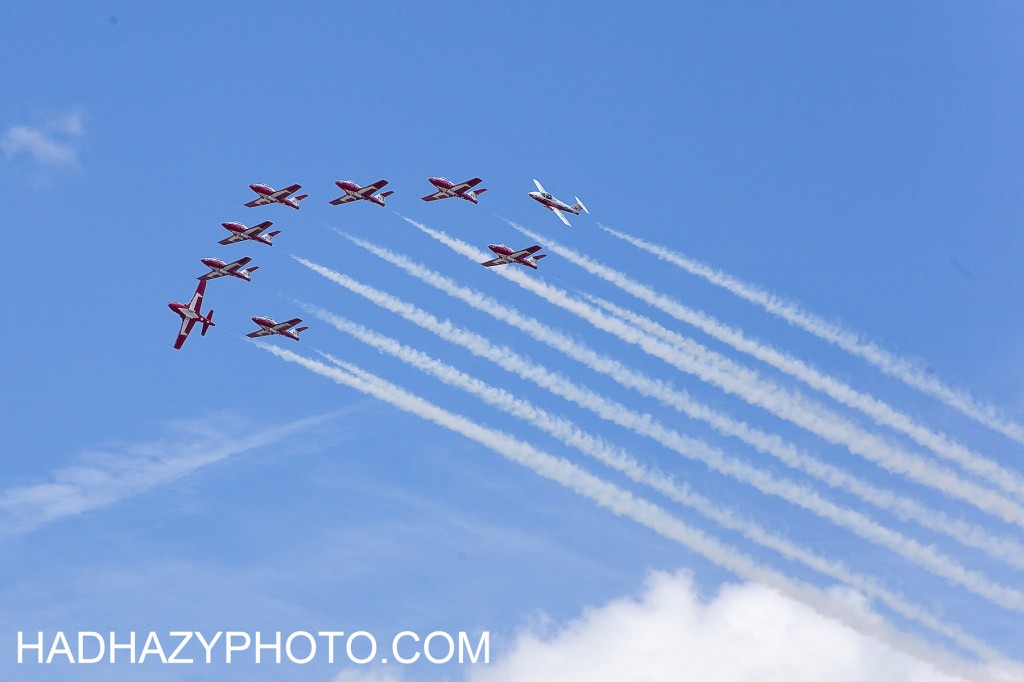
(863, 162)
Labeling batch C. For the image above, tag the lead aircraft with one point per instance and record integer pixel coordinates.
(447, 189)
(239, 233)
(507, 255)
(556, 206)
(354, 192)
(269, 195)
(219, 268)
(268, 327)
(190, 314)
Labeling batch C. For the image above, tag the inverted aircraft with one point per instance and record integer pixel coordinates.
(354, 192)
(507, 255)
(239, 233)
(219, 268)
(447, 189)
(190, 314)
(268, 327)
(556, 206)
(269, 195)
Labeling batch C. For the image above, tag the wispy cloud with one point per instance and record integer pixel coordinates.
(100, 478)
(51, 145)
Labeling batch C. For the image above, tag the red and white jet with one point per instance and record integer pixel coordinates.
(239, 233)
(190, 314)
(354, 192)
(219, 268)
(268, 327)
(507, 255)
(446, 189)
(556, 206)
(269, 195)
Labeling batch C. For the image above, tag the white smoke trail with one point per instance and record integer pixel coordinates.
(643, 424)
(621, 461)
(1002, 548)
(880, 412)
(718, 370)
(899, 368)
(618, 501)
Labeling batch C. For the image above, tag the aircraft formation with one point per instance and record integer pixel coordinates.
(191, 313)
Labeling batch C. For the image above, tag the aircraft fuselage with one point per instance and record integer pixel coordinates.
(549, 201)
(270, 194)
(268, 324)
(352, 190)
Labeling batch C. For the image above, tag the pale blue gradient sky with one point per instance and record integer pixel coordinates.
(865, 161)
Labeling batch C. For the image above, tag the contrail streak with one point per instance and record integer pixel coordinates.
(906, 508)
(643, 424)
(621, 461)
(613, 498)
(892, 365)
(718, 370)
(99, 479)
(880, 412)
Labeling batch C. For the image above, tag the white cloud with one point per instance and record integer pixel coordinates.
(745, 633)
(69, 124)
(51, 145)
(357, 675)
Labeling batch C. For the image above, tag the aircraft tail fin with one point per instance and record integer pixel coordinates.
(301, 197)
(271, 235)
(251, 270)
(539, 256)
(478, 192)
(207, 323)
(580, 207)
(300, 329)
(385, 195)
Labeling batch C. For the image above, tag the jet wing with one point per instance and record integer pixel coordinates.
(435, 196)
(261, 200)
(540, 187)
(233, 267)
(287, 191)
(468, 184)
(522, 253)
(561, 216)
(346, 198)
(285, 326)
(186, 327)
(494, 261)
(369, 190)
(249, 233)
(262, 331)
(197, 298)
